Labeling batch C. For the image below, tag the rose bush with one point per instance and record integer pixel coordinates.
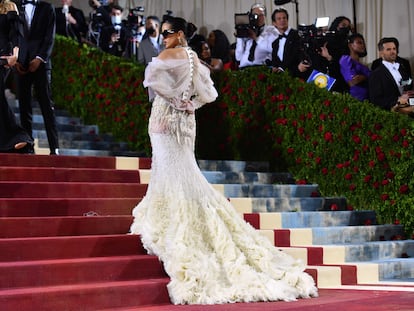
(349, 148)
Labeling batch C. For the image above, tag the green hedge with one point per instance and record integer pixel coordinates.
(349, 148)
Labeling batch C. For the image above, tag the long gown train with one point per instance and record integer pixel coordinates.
(210, 253)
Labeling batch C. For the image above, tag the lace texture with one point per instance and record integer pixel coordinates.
(210, 253)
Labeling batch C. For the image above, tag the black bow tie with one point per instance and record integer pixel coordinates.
(25, 2)
(282, 36)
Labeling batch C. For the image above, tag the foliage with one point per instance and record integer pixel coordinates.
(349, 148)
(103, 90)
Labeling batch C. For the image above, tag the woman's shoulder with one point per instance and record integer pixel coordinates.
(173, 54)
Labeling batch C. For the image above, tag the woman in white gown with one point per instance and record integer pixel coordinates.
(210, 253)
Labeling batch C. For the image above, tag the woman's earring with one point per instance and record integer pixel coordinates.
(180, 42)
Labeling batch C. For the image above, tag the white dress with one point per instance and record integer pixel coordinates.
(210, 253)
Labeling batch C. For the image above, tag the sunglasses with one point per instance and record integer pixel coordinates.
(167, 32)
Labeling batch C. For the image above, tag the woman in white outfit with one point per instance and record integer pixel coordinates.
(210, 253)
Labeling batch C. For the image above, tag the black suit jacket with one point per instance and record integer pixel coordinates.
(291, 53)
(76, 31)
(38, 40)
(405, 69)
(383, 90)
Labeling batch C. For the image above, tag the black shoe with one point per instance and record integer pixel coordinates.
(28, 149)
(54, 151)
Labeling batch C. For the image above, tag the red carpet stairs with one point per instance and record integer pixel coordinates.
(64, 223)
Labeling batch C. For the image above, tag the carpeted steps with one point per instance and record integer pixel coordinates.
(64, 219)
(44, 207)
(75, 138)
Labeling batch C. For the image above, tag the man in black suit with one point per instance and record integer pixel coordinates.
(388, 81)
(113, 38)
(405, 66)
(70, 21)
(286, 51)
(36, 37)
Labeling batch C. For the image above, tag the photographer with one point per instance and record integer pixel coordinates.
(70, 21)
(135, 29)
(113, 37)
(255, 47)
(99, 18)
(322, 51)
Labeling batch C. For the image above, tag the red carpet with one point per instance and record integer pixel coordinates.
(329, 300)
(63, 244)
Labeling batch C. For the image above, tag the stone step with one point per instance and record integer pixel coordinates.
(367, 251)
(233, 166)
(230, 177)
(401, 269)
(266, 191)
(355, 234)
(315, 219)
(336, 237)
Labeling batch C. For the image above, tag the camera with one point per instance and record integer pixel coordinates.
(244, 23)
(135, 18)
(97, 21)
(314, 37)
(168, 14)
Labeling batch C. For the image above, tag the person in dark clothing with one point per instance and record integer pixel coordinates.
(388, 82)
(70, 21)
(13, 138)
(36, 38)
(286, 53)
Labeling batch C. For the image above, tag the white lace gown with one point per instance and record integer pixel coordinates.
(210, 253)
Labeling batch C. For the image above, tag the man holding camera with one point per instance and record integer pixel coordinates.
(255, 48)
(113, 37)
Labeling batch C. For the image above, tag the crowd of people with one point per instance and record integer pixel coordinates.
(336, 51)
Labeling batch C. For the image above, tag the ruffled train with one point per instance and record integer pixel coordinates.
(210, 253)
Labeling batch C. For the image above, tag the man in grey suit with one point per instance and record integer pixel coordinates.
(151, 44)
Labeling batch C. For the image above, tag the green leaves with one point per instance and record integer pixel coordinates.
(349, 148)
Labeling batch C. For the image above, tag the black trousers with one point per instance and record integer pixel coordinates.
(41, 82)
(10, 132)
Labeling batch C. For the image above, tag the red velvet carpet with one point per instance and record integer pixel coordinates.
(63, 245)
(329, 300)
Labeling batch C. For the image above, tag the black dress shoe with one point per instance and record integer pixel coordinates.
(54, 151)
(28, 149)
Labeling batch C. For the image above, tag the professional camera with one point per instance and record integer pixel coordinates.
(244, 23)
(97, 21)
(135, 18)
(168, 14)
(314, 37)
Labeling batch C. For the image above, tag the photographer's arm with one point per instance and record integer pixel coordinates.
(240, 48)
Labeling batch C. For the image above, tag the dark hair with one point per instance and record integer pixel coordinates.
(337, 21)
(117, 7)
(221, 48)
(177, 24)
(355, 36)
(388, 40)
(280, 10)
(198, 47)
(154, 18)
